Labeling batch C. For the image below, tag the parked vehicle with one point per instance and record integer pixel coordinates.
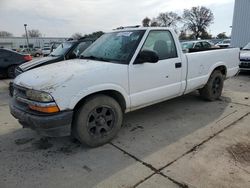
(245, 58)
(32, 51)
(224, 44)
(65, 51)
(46, 51)
(122, 71)
(195, 46)
(9, 60)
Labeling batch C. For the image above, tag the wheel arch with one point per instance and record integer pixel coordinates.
(118, 96)
(221, 67)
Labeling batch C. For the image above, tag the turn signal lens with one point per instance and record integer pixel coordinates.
(49, 109)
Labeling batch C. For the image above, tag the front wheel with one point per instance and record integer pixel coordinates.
(213, 89)
(97, 121)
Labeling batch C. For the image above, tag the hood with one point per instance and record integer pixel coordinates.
(245, 55)
(36, 62)
(54, 75)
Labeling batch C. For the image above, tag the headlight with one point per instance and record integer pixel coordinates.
(38, 96)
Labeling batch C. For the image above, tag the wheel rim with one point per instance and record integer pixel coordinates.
(101, 121)
(216, 87)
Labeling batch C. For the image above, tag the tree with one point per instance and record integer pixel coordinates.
(183, 35)
(77, 36)
(168, 19)
(33, 33)
(96, 34)
(198, 19)
(154, 23)
(146, 22)
(5, 34)
(222, 35)
(206, 35)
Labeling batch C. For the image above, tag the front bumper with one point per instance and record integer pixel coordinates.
(245, 65)
(54, 125)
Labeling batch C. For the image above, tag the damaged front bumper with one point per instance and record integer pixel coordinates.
(51, 125)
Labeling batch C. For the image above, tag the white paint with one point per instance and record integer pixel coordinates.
(141, 85)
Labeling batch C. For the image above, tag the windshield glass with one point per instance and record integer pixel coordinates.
(61, 49)
(247, 47)
(117, 47)
(187, 45)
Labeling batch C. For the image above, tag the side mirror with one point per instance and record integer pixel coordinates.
(147, 56)
(186, 50)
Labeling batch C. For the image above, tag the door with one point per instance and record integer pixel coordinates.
(198, 45)
(153, 82)
(4, 58)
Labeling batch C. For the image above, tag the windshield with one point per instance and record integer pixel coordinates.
(61, 49)
(187, 45)
(117, 47)
(247, 47)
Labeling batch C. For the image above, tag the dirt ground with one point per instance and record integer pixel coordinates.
(184, 142)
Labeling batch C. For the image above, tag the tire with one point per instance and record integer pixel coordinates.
(11, 71)
(213, 89)
(37, 55)
(97, 121)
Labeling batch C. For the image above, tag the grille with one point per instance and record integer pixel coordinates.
(20, 92)
(18, 71)
(245, 64)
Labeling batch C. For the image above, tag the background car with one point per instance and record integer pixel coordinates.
(65, 51)
(32, 51)
(224, 44)
(245, 58)
(46, 51)
(195, 46)
(9, 60)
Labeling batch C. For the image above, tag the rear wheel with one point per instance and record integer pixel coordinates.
(97, 121)
(213, 89)
(11, 71)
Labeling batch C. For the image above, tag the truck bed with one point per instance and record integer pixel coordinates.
(201, 64)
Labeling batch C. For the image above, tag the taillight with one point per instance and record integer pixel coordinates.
(27, 57)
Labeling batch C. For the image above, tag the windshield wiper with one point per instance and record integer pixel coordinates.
(94, 58)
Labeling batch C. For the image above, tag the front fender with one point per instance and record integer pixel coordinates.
(98, 88)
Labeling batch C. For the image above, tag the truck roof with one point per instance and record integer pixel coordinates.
(140, 28)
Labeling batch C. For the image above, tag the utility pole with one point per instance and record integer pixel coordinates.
(28, 46)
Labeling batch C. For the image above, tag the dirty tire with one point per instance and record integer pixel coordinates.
(213, 89)
(11, 71)
(97, 121)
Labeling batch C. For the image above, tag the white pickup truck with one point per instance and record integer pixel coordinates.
(122, 71)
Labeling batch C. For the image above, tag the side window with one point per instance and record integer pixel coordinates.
(81, 47)
(206, 45)
(161, 42)
(198, 45)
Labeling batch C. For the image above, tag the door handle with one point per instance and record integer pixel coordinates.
(178, 65)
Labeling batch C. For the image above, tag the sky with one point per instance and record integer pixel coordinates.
(62, 18)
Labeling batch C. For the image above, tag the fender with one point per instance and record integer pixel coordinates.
(98, 88)
(216, 65)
